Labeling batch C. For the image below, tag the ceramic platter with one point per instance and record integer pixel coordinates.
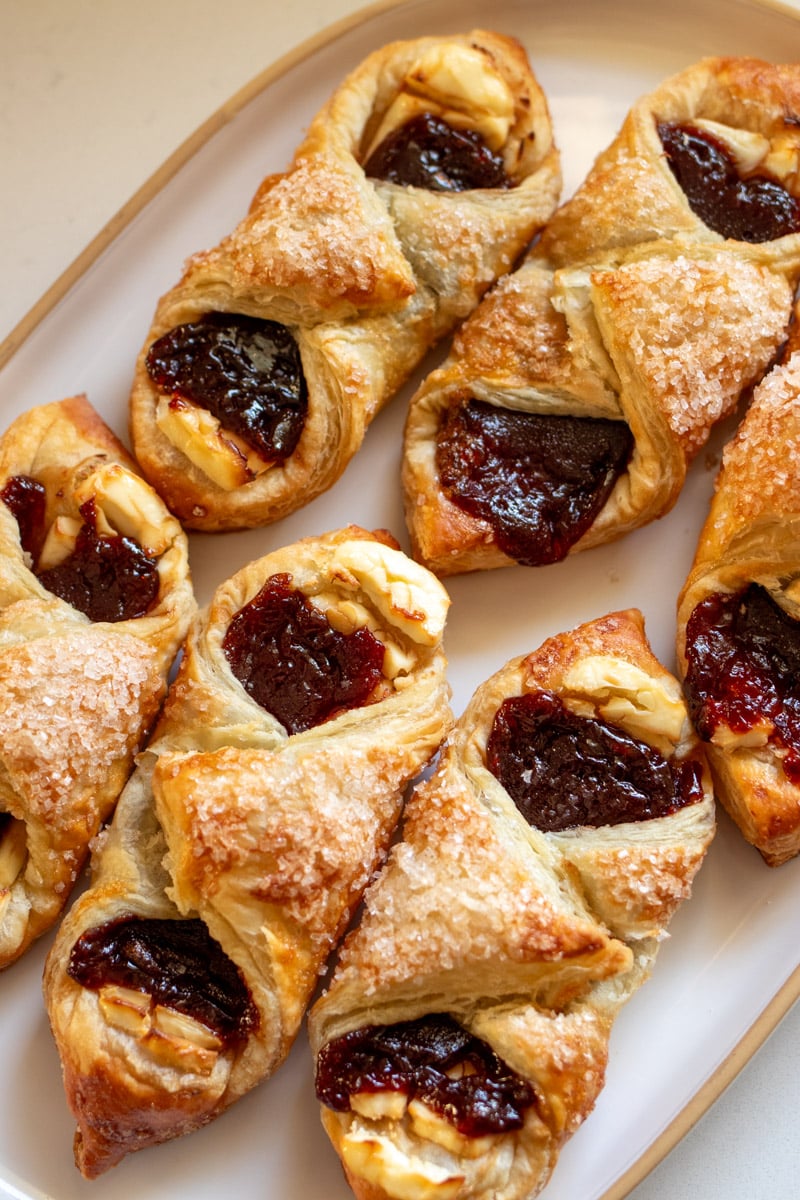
(730, 968)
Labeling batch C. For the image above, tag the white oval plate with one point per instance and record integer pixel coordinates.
(732, 965)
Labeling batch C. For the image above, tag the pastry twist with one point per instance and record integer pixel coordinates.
(526, 938)
(739, 183)
(245, 838)
(95, 599)
(356, 272)
(738, 614)
(589, 378)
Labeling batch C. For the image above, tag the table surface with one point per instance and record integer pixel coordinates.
(72, 156)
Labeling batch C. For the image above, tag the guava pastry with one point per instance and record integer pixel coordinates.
(578, 393)
(311, 691)
(95, 599)
(712, 156)
(422, 179)
(464, 1034)
(739, 621)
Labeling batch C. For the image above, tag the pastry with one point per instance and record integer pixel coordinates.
(574, 401)
(95, 599)
(310, 692)
(654, 298)
(739, 621)
(421, 180)
(464, 1033)
(712, 157)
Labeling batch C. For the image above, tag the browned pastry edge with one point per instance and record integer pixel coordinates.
(752, 535)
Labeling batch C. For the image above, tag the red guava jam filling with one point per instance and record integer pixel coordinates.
(538, 480)
(428, 153)
(177, 963)
(563, 770)
(26, 499)
(743, 668)
(244, 371)
(287, 657)
(751, 209)
(432, 1059)
(107, 577)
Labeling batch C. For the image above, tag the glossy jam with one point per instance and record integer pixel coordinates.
(751, 209)
(288, 658)
(743, 668)
(539, 481)
(434, 1060)
(177, 963)
(245, 371)
(26, 499)
(563, 770)
(428, 153)
(107, 578)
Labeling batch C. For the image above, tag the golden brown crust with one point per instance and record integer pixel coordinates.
(663, 342)
(752, 535)
(78, 698)
(531, 940)
(629, 308)
(366, 275)
(630, 195)
(268, 838)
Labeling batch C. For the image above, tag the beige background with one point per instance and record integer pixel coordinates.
(94, 95)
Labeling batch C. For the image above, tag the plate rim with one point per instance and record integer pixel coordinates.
(710, 1091)
(789, 992)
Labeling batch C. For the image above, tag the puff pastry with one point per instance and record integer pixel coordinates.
(267, 361)
(654, 298)
(95, 599)
(739, 621)
(495, 949)
(310, 692)
(574, 401)
(712, 156)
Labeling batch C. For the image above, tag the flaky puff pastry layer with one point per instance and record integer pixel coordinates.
(366, 275)
(629, 308)
(630, 195)
(268, 839)
(752, 535)
(531, 940)
(77, 698)
(665, 342)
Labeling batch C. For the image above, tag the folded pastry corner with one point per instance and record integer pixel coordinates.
(578, 392)
(711, 156)
(464, 1033)
(739, 621)
(311, 691)
(95, 599)
(422, 179)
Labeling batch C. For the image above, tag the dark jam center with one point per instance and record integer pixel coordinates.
(751, 209)
(426, 152)
(743, 657)
(563, 770)
(434, 1060)
(106, 577)
(539, 481)
(177, 963)
(26, 499)
(288, 658)
(245, 371)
